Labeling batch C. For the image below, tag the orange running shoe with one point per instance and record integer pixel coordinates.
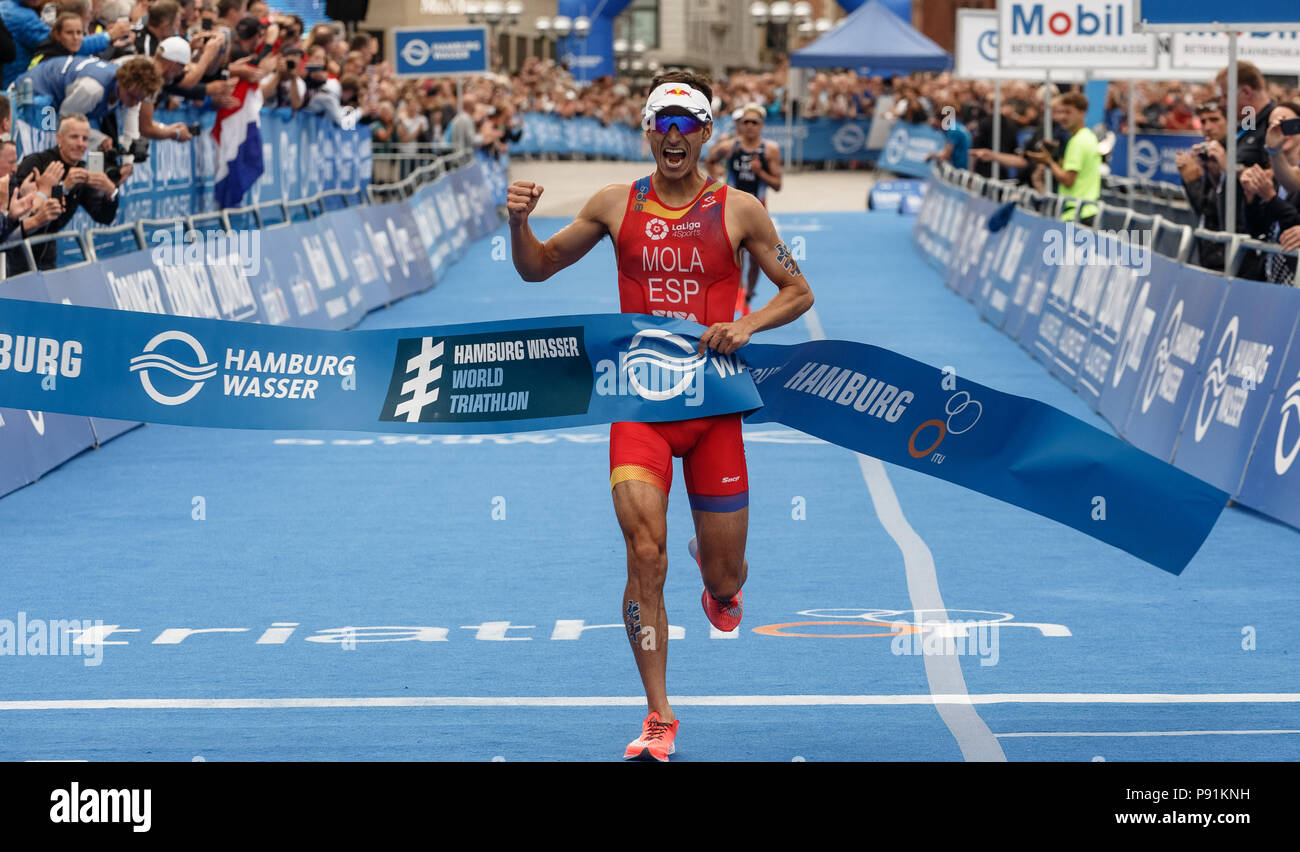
(724, 615)
(656, 741)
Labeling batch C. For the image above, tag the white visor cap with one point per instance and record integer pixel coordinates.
(676, 95)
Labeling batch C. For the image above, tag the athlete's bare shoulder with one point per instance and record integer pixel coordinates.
(746, 211)
(606, 206)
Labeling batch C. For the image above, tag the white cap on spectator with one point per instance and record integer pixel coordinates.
(175, 49)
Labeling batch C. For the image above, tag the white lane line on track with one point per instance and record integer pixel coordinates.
(1142, 733)
(921, 699)
(942, 671)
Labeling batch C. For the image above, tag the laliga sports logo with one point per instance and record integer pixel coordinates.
(665, 364)
(656, 229)
(1282, 460)
(1161, 360)
(848, 139)
(987, 45)
(896, 147)
(1217, 375)
(151, 360)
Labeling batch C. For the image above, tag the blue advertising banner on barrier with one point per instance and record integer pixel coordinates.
(1272, 480)
(1183, 363)
(433, 236)
(888, 194)
(972, 238)
(303, 154)
(440, 51)
(1019, 250)
(1246, 351)
(1179, 356)
(1103, 345)
(907, 147)
(1154, 155)
(1136, 345)
(357, 255)
(1031, 277)
(85, 284)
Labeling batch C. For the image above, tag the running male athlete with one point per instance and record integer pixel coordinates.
(753, 164)
(677, 236)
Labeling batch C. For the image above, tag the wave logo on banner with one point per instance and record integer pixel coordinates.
(1216, 376)
(849, 138)
(1160, 362)
(1282, 460)
(195, 375)
(661, 369)
(896, 146)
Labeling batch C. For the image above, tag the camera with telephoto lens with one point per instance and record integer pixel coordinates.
(138, 152)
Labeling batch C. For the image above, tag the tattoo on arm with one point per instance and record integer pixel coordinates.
(786, 259)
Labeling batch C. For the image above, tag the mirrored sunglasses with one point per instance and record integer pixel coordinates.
(685, 124)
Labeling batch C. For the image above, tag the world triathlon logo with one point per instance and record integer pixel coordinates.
(656, 229)
(656, 375)
(423, 385)
(195, 375)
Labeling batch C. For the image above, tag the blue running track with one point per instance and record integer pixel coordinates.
(491, 568)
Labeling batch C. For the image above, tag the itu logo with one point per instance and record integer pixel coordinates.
(987, 45)
(656, 229)
(963, 413)
(655, 375)
(195, 375)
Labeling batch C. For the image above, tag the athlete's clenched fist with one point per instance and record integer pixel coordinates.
(521, 198)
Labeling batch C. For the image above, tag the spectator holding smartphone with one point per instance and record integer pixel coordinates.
(79, 187)
(1270, 207)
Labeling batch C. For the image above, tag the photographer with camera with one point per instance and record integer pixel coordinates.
(1078, 175)
(90, 180)
(1201, 169)
(285, 87)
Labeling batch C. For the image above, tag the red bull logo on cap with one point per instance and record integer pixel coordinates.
(677, 92)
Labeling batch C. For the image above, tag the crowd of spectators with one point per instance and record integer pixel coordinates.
(149, 56)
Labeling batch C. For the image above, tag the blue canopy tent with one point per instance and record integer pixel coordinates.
(875, 38)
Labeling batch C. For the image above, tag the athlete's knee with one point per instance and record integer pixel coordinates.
(647, 556)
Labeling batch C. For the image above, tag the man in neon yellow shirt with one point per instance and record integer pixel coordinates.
(1079, 173)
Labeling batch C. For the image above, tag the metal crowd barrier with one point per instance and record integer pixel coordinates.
(90, 241)
(1125, 205)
